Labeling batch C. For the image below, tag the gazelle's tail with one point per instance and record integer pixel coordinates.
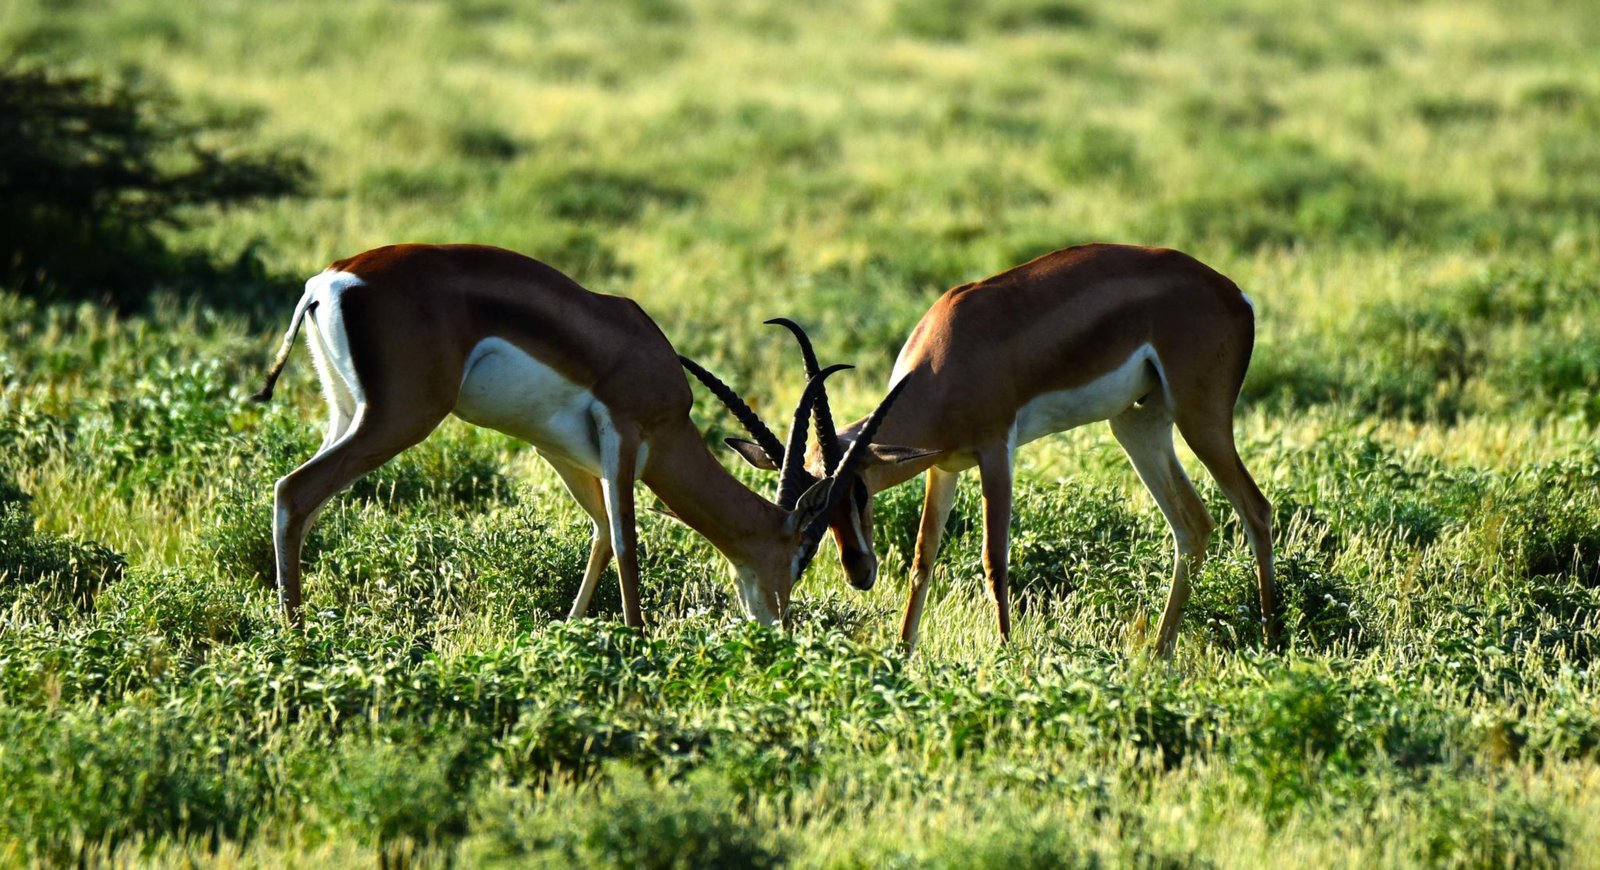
(300, 311)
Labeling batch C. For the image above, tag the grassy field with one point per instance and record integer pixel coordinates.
(1409, 191)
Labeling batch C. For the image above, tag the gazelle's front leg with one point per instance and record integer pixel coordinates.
(936, 504)
(619, 455)
(587, 492)
(994, 469)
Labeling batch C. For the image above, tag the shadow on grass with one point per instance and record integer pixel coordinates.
(92, 170)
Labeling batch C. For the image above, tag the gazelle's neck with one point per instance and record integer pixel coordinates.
(742, 525)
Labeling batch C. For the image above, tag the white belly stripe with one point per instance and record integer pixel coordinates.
(1104, 397)
(506, 389)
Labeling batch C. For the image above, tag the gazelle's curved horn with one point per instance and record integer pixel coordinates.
(793, 481)
(859, 448)
(746, 416)
(827, 435)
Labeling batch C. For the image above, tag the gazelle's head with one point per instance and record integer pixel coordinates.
(765, 585)
(825, 488)
(849, 512)
(851, 519)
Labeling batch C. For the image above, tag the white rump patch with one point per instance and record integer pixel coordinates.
(329, 345)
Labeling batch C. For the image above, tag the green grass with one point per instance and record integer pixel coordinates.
(1410, 193)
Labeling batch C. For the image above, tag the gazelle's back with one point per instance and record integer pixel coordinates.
(1057, 324)
(601, 343)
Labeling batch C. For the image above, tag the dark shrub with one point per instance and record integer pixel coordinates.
(91, 170)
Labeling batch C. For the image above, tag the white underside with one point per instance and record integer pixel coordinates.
(506, 389)
(1060, 410)
(1102, 398)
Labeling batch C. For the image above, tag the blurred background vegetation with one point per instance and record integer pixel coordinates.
(91, 171)
(1409, 192)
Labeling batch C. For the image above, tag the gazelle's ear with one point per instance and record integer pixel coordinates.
(811, 506)
(752, 453)
(889, 454)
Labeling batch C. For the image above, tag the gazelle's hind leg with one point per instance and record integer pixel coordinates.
(1145, 433)
(372, 419)
(374, 437)
(588, 492)
(1210, 436)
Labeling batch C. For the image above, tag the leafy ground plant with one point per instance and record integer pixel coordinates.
(1408, 192)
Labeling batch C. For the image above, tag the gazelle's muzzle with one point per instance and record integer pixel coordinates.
(861, 569)
(761, 602)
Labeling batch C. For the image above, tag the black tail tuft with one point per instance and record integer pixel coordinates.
(307, 304)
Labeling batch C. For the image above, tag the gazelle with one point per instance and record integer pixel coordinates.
(1142, 337)
(403, 336)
